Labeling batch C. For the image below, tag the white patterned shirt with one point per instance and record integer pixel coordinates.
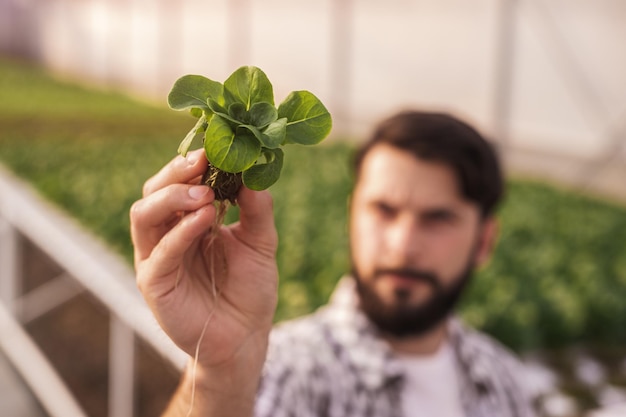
(333, 363)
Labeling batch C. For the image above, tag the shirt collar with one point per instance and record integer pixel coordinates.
(378, 368)
(469, 351)
(373, 358)
(365, 349)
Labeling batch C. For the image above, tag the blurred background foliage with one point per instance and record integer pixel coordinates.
(558, 275)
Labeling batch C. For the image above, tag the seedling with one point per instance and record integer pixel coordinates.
(242, 130)
(243, 133)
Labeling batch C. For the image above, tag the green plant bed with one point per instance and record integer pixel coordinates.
(558, 275)
(87, 151)
(559, 272)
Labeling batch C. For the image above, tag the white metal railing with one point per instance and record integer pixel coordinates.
(35, 368)
(87, 262)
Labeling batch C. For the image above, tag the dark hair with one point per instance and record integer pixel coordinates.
(443, 138)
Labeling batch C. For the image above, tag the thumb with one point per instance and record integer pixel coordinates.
(256, 218)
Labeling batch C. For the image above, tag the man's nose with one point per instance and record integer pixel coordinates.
(405, 240)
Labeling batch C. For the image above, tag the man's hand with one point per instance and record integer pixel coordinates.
(192, 277)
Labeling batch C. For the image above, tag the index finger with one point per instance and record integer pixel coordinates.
(180, 170)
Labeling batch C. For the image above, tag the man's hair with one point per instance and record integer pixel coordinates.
(440, 137)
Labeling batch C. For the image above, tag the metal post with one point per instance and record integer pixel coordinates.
(169, 19)
(121, 369)
(341, 60)
(505, 65)
(10, 268)
(239, 35)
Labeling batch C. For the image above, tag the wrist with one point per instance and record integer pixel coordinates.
(230, 386)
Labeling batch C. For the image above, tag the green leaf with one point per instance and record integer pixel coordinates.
(251, 129)
(217, 107)
(262, 176)
(274, 134)
(309, 121)
(238, 112)
(248, 85)
(228, 151)
(221, 111)
(184, 146)
(262, 114)
(196, 112)
(243, 128)
(193, 91)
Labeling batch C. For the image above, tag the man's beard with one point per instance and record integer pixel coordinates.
(402, 319)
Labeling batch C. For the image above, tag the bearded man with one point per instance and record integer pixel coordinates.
(388, 342)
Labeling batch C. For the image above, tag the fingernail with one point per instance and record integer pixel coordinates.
(198, 191)
(193, 157)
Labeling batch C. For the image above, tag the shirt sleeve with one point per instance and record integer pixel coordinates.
(292, 384)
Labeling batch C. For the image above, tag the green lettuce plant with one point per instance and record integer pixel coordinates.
(242, 130)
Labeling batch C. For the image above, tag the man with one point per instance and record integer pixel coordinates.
(421, 220)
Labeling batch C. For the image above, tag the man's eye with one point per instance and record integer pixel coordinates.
(440, 217)
(385, 210)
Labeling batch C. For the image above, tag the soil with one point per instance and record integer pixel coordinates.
(74, 337)
(224, 184)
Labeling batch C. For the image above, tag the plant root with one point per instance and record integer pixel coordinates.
(225, 185)
(212, 241)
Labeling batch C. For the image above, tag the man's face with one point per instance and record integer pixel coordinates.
(414, 240)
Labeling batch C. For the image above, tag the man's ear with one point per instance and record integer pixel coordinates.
(488, 236)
